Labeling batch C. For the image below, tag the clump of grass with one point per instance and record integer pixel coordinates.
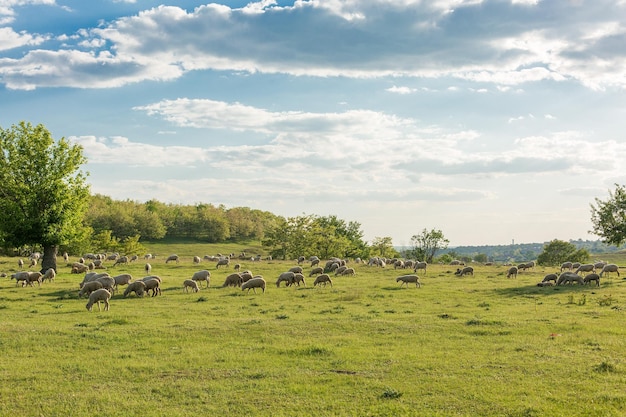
(606, 301)
(202, 299)
(484, 305)
(390, 393)
(314, 351)
(3, 306)
(282, 317)
(605, 367)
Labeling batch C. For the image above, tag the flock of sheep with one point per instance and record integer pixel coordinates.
(100, 286)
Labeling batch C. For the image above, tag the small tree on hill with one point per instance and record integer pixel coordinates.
(557, 251)
(609, 217)
(43, 195)
(427, 243)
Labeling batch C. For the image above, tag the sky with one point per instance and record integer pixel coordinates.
(492, 121)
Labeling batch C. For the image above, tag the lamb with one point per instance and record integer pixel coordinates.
(33, 262)
(222, 262)
(406, 279)
(20, 263)
(233, 280)
(464, 271)
(89, 287)
(254, 283)
(348, 271)
(512, 272)
(569, 278)
(147, 267)
(286, 277)
(138, 287)
(154, 285)
(20, 276)
(592, 277)
(49, 275)
(237, 267)
(550, 277)
(122, 279)
(316, 271)
(97, 296)
(586, 268)
(33, 277)
(172, 258)
(189, 283)
(420, 265)
(323, 279)
(203, 275)
(609, 268)
(196, 260)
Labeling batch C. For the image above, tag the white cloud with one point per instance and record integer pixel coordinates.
(10, 39)
(401, 90)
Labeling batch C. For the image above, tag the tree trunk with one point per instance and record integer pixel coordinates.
(49, 258)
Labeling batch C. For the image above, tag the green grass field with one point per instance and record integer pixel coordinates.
(472, 346)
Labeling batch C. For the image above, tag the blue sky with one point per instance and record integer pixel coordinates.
(493, 121)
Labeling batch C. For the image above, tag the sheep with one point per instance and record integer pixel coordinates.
(189, 283)
(196, 260)
(545, 284)
(33, 262)
(323, 279)
(203, 275)
(147, 256)
(297, 279)
(569, 278)
(286, 277)
(301, 259)
(315, 262)
(566, 265)
(111, 257)
(121, 260)
(592, 277)
(89, 287)
(233, 280)
(122, 279)
(512, 272)
(399, 264)
(20, 263)
(340, 270)
(158, 278)
(20, 276)
(172, 258)
(66, 257)
(97, 296)
(420, 265)
(609, 268)
(585, 268)
(246, 276)
(296, 269)
(222, 262)
(79, 268)
(550, 277)
(237, 267)
(49, 275)
(254, 283)
(107, 282)
(147, 267)
(138, 287)
(92, 276)
(406, 279)
(464, 271)
(33, 277)
(599, 265)
(348, 271)
(316, 271)
(154, 285)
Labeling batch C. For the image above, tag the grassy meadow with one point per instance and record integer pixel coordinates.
(483, 345)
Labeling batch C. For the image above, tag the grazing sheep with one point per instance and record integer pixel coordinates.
(569, 278)
(92, 276)
(323, 279)
(122, 279)
(133, 258)
(297, 280)
(550, 277)
(97, 296)
(147, 256)
(33, 277)
(79, 268)
(237, 267)
(121, 260)
(66, 257)
(575, 265)
(234, 280)
(202, 275)
(89, 287)
(406, 279)
(107, 282)
(158, 278)
(316, 271)
(420, 265)
(585, 268)
(399, 264)
(189, 283)
(609, 268)
(566, 265)
(592, 277)
(301, 259)
(296, 269)
(348, 271)
(147, 267)
(246, 276)
(20, 276)
(196, 260)
(546, 284)
(512, 272)
(254, 283)
(49, 275)
(33, 262)
(153, 285)
(340, 270)
(20, 263)
(172, 258)
(467, 270)
(315, 262)
(286, 277)
(222, 262)
(599, 265)
(138, 287)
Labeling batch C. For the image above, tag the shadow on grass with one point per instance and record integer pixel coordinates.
(534, 290)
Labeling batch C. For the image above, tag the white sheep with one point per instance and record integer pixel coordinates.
(233, 280)
(512, 272)
(97, 296)
(79, 268)
(297, 280)
(33, 277)
(348, 271)
(138, 287)
(592, 277)
(107, 282)
(340, 270)
(286, 277)
(122, 279)
(189, 283)
(420, 265)
(406, 279)
(121, 260)
(33, 262)
(222, 262)
(89, 287)
(465, 271)
(316, 271)
(20, 263)
(323, 279)
(154, 285)
(148, 268)
(196, 260)
(49, 275)
(566, 265)
(609, 268)
(20, 276)
(550, 277)
(569, 278)
(172, 258)
(202, 275)
(246, 276)
(254, 283)
(296, 269)
(586, 268)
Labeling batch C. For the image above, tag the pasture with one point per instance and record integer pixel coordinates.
(482, 345)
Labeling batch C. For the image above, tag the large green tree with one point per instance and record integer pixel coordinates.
(427, 243)
(558, 251)
(608, 217)
(43, 192)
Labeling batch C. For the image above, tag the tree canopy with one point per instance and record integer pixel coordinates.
(608, 217)
(44, 194)
(427, 243)
(557, 251)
